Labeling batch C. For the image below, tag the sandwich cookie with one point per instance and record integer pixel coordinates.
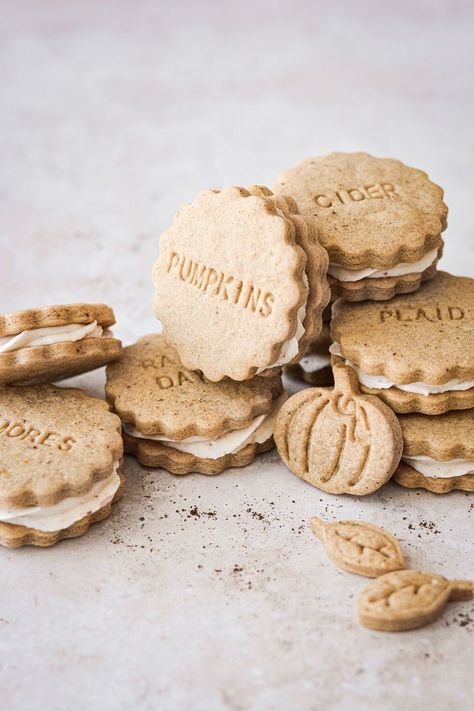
(315, 367)
(60, 463)
(240, 283)
(438, 452)
(416, 352)
(380, 221)
(176, 419)
(55, 342)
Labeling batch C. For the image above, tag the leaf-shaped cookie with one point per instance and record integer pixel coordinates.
(406, 599)
(359, 547)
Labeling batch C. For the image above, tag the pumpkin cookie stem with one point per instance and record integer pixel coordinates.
(461, 590)
(317, 526)
(345, 379)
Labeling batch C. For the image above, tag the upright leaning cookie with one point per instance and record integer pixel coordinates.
(380, 220)
(438, 452)
(60, 457)
(240, 283)
(55, 342)
(415, 352)
(177, 419)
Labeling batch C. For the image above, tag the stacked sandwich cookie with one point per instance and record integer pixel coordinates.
(380, 221)
(60, 463)
(55, 342)
(179, 420)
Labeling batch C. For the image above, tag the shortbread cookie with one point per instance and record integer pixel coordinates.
(240, 283)
(60, 461)
(176, 419)
(380, 221)
(359, 547)
(338, 439)
(55, 342)
(406, 599)
(438, 452)
(416, 352)
(315, 367)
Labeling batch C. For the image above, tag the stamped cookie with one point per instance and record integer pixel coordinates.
(315, 367)
(338, 439)
(55, 342)
(60, 463)
(416, 352)
(407, 599)
(438, 452)
(240, 283)
(176, 419)
(380, 221)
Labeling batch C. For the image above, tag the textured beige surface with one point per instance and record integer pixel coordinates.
(338, 439)
(370, 212)
(55, 315)
(220, 599)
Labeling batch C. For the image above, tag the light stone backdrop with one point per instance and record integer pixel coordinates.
(211, 593)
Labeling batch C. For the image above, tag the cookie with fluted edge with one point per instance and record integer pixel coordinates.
(415, 344)
(55, 342)
(60, 463)
(233, 281)
(177, 419)
(315, 366)
(338, 439)
(372, 214)
(445, 444)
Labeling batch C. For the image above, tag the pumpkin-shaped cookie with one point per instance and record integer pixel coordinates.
(338, 439)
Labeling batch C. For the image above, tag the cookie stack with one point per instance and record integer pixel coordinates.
(60, 450)
(240, 291)
(404, 329)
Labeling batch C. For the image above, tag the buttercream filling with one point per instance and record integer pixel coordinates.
(65, 512)
(343, 274)
(432, 467)
(313, 362)
(52, 334)
(289, 349)
(419, 388)
(258, 431)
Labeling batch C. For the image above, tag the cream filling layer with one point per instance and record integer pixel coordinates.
(343, 274)
(432, 467)
(289, 349)
(66, 512)
(258, 431)
(313, 362)
(51, 334)
(380, 381)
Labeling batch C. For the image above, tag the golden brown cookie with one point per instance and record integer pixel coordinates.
(359, 547)
(415, 352)
(233, 281)
(60, 457)
(438, 452)
(315, 366)
(379, 219)
(177, 419)
(338, 439)
(406, 599)
(55, 342)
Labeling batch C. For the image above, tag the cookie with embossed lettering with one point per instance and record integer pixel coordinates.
(240, 283)
(415, 352)
(438, 451)
(60, 463)
(338, 439)
(54, 342)
(315, 367)
(380, 221)
(176, 419)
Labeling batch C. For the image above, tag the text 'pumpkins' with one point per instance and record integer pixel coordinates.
(338, 439)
